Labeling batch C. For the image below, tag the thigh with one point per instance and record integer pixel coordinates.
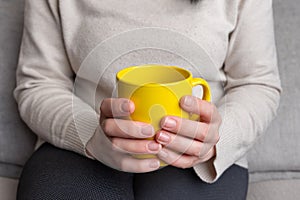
(173, 183)
(53, 173)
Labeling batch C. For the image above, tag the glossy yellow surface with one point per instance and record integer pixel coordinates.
(156, 91)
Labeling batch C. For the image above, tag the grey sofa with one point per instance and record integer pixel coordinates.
(274, 162)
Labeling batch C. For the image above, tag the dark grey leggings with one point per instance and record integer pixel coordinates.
(53, 173)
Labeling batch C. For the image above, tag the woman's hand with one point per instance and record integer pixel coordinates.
(116, 139)
(186, 142)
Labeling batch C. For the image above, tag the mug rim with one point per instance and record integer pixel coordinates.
(179, 69)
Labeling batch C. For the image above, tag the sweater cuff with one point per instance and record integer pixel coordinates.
(228, 150)
(80, 131)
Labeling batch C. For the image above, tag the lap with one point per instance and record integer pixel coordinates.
(174, 183)
(53, 173)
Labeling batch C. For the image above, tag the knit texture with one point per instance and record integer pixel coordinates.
(71, 51)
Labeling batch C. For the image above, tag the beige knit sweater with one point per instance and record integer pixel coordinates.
(72, 49)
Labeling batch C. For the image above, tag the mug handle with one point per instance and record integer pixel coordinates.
(206, 89)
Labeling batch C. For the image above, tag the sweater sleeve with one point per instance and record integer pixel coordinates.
(252, 89)
(45, 79)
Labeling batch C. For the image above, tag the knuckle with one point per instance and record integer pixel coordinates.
(202, 155)
(107, 126)
(133, 129)
(197, 150)
(115, 146)
(205, 131)
(115, 111)
(211, 109)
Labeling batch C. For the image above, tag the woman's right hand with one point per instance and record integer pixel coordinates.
(116, 139)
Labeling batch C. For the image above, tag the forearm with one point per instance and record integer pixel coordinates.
(53, 113)
(45, 81)
(246, 112)
(252, 88)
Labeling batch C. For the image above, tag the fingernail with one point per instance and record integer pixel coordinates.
(147, 130)
(125, 107)
(169, 123)
(188, 101)
(153, 146)
(154, 164)
(164, 138)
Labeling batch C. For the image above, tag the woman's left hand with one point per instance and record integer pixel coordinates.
(187, 142)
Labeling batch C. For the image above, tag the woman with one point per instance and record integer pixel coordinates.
(87, 158)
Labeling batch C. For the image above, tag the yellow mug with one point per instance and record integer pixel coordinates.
(156, 91)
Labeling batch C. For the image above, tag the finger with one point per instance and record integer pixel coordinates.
(177, 160)
(183, 145)
(126, 128)
(133, 146)
(134, 165)
(116, 107)
(191, 129)
(127, 163)
(206, 110)
(119, 160)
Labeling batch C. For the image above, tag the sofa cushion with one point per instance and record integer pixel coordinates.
(279, 149)
(275, 190)
(16, 140)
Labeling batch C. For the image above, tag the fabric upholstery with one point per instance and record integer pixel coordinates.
(16, 140)
(274, 190)
(279, 150)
